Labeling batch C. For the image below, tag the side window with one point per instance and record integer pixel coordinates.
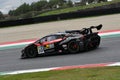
(43, 40)
(50, 38)
(59, 36)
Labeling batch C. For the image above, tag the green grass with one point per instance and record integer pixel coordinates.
(72, 9)
(104, 73)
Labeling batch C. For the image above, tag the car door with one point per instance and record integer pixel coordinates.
(47, 44)
(40, 45)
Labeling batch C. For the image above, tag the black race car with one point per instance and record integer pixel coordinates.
(71, 41)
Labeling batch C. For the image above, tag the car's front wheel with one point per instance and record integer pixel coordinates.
(31, 52)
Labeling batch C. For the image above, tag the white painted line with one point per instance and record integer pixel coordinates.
(115, 64)
(109, 33)
(57, 68)
(27, 71)
(16, 44)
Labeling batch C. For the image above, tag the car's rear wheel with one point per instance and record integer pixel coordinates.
(93, 43)
(96, 42)
(73, 47)
(31, 52)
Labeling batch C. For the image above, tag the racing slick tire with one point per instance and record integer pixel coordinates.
(31, 52)
(73, 47)
(92, 43)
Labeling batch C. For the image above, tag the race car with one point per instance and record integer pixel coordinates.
(71, 41)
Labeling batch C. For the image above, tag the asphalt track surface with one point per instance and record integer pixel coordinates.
(109, 51)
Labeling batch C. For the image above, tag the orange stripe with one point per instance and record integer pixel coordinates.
(50, 42)
(53, 41)
(82, 66)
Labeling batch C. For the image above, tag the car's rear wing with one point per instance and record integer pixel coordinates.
(93, 27)
(85, 30)
(97, 27)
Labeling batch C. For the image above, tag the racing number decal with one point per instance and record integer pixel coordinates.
(41, 49)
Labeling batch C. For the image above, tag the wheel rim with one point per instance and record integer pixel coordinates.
(31, 53)
(73, 47)
(92, 44)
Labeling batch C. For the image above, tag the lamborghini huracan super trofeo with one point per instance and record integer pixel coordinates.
(71, 41)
